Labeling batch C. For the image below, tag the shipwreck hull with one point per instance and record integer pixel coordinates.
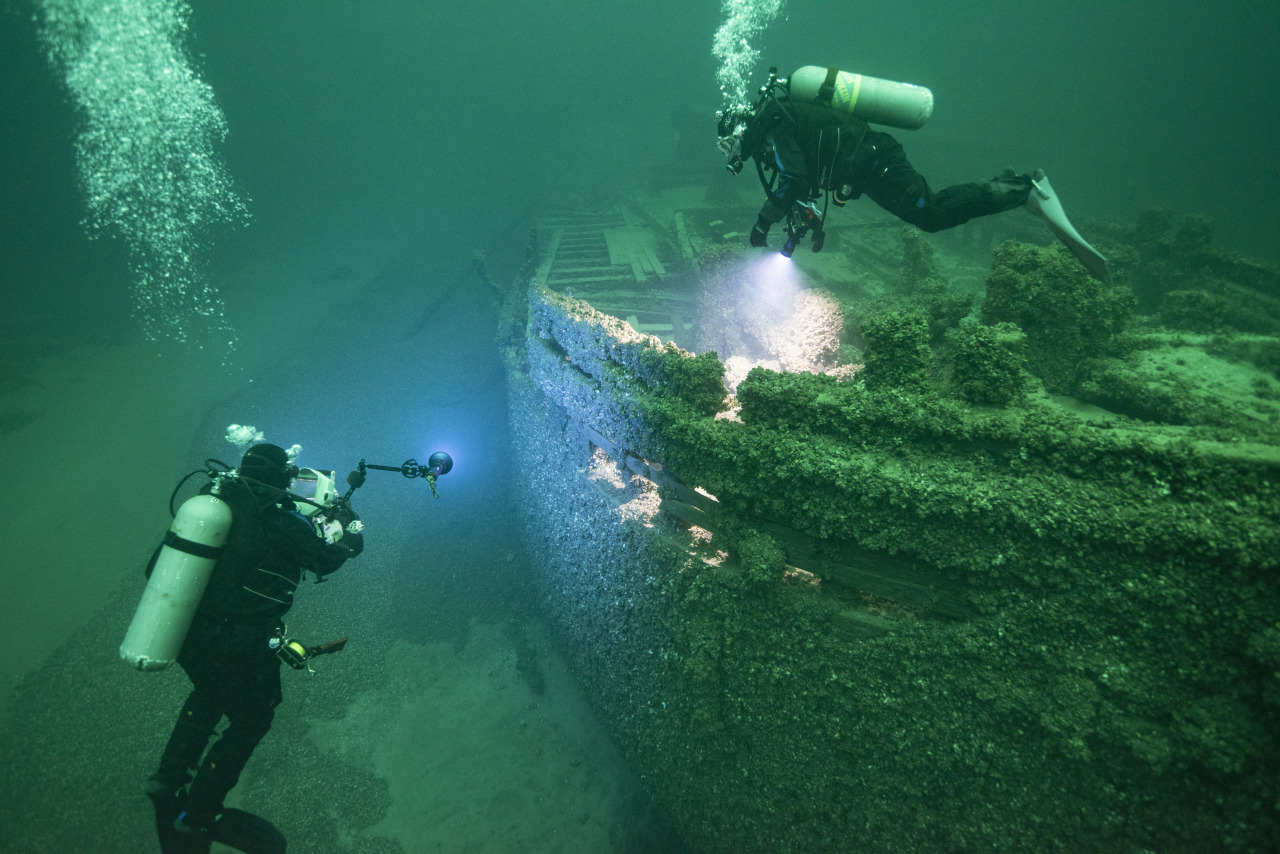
(853, 619)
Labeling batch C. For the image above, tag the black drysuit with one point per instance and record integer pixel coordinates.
(226, 654)
(816, 148)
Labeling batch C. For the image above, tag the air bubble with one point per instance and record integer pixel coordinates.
(744, 20)
(146, 152)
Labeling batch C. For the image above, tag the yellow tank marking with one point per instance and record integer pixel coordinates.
(846, 97)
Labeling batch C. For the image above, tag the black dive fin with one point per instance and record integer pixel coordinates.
(247, 832)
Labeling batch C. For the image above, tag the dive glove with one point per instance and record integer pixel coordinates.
(760, 231)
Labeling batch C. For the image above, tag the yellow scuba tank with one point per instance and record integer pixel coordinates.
(177, 583)
(882, 102)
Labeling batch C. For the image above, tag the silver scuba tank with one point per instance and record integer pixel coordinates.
(882, 102)
(177, 583)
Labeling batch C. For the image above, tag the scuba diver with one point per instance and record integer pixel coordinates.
(813, 133)
(234, 647)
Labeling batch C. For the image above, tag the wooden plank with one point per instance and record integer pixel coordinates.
(549, 259)
(651, 257)
(859, 624)
(676, 488)
(636, 269)
(619, 253)
(580, 280)
(657, 296)
(925, 597)
(627, 311)
(599, 440)
(606, 268)
(632, 206)
(635, 246)
(686, 513)
(883, 574)
(682, 236)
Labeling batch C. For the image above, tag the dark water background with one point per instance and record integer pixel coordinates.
(381, 144)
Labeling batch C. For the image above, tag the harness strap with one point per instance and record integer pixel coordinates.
(191, 547)
(767, 183)
(824, 174)
(828, 87)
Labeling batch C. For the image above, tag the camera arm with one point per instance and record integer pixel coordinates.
(438, 465)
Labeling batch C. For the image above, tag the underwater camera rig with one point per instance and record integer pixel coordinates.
(803, 218)
(323, 504)
(438, 465)
(314, 492)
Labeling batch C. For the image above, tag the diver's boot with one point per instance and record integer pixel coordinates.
(165, 794)
(167, 787)
(203, 803)
(204, 799)
(190, 823)
(1044, 203)
(1007, 191)
(219, 773)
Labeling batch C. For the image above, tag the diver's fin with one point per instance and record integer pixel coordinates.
(247, 832)
(171, 841)
(1043, 202)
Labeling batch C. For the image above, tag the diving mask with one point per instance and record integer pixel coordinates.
(731, 148)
